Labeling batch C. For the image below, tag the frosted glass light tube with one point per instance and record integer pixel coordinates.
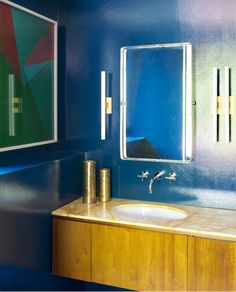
(214, 102)
(227, 134)
(103, 105)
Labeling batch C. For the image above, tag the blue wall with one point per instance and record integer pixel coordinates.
(94, 33)
(26, 199)
(36, 181)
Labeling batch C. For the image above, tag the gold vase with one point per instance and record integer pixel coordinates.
(89, 182)
(104, 185)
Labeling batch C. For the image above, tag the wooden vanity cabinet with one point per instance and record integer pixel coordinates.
(119, 256)
(138, 259)
(142, 260)
(211, 265)
(71, 251)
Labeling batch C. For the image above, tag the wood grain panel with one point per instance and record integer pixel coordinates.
(71, 249)
(137, 259)
(211, 265)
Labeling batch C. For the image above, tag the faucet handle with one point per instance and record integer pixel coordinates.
(143, 175)
(172, 176)
(159, 174)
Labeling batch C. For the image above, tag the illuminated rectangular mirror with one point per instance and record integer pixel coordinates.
(156, 102)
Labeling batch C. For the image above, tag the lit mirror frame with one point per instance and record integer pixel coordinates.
(187, 123)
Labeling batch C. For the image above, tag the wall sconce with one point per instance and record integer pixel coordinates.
(106, 104)
(227, 112)
(221, 105)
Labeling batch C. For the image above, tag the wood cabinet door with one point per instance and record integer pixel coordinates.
(211, 265)
(71, 249)
(137, 259)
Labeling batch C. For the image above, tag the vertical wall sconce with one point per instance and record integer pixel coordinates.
(221, 105)
(215, 103)
(106, 104)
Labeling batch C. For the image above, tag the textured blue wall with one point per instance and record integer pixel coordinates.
(26, 200)
(94, 32)
(49, 180)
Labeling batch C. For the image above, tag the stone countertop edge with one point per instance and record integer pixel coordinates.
(201, 222)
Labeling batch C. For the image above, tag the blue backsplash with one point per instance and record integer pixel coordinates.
(94, 33)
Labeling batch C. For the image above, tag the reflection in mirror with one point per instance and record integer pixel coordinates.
(156, 102)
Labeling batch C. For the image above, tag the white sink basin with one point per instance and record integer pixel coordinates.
(149, 212)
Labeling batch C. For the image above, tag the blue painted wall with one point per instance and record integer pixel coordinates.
(94, 33)
(33, 182)
(26, 199)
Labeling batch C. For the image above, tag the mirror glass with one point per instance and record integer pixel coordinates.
(156, 102)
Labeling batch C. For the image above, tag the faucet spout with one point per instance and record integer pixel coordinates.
(157, 176)
(150, 186)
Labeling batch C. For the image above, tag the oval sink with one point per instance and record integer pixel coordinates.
(149, 212)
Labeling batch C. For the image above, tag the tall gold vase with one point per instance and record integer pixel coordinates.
(89, 182)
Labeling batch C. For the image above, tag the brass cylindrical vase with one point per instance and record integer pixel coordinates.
(89, 182)
(104, 185)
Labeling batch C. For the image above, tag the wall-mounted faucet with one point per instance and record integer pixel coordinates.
(157, 176)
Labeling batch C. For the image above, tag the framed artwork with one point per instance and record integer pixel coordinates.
(28, 78)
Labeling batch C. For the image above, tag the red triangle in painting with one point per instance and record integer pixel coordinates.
(42, 52)
(8, 41)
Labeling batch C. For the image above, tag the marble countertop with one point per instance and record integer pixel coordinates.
(202, 222)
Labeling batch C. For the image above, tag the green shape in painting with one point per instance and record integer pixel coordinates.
(28, 31)
(33, 70)
(42, 90)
